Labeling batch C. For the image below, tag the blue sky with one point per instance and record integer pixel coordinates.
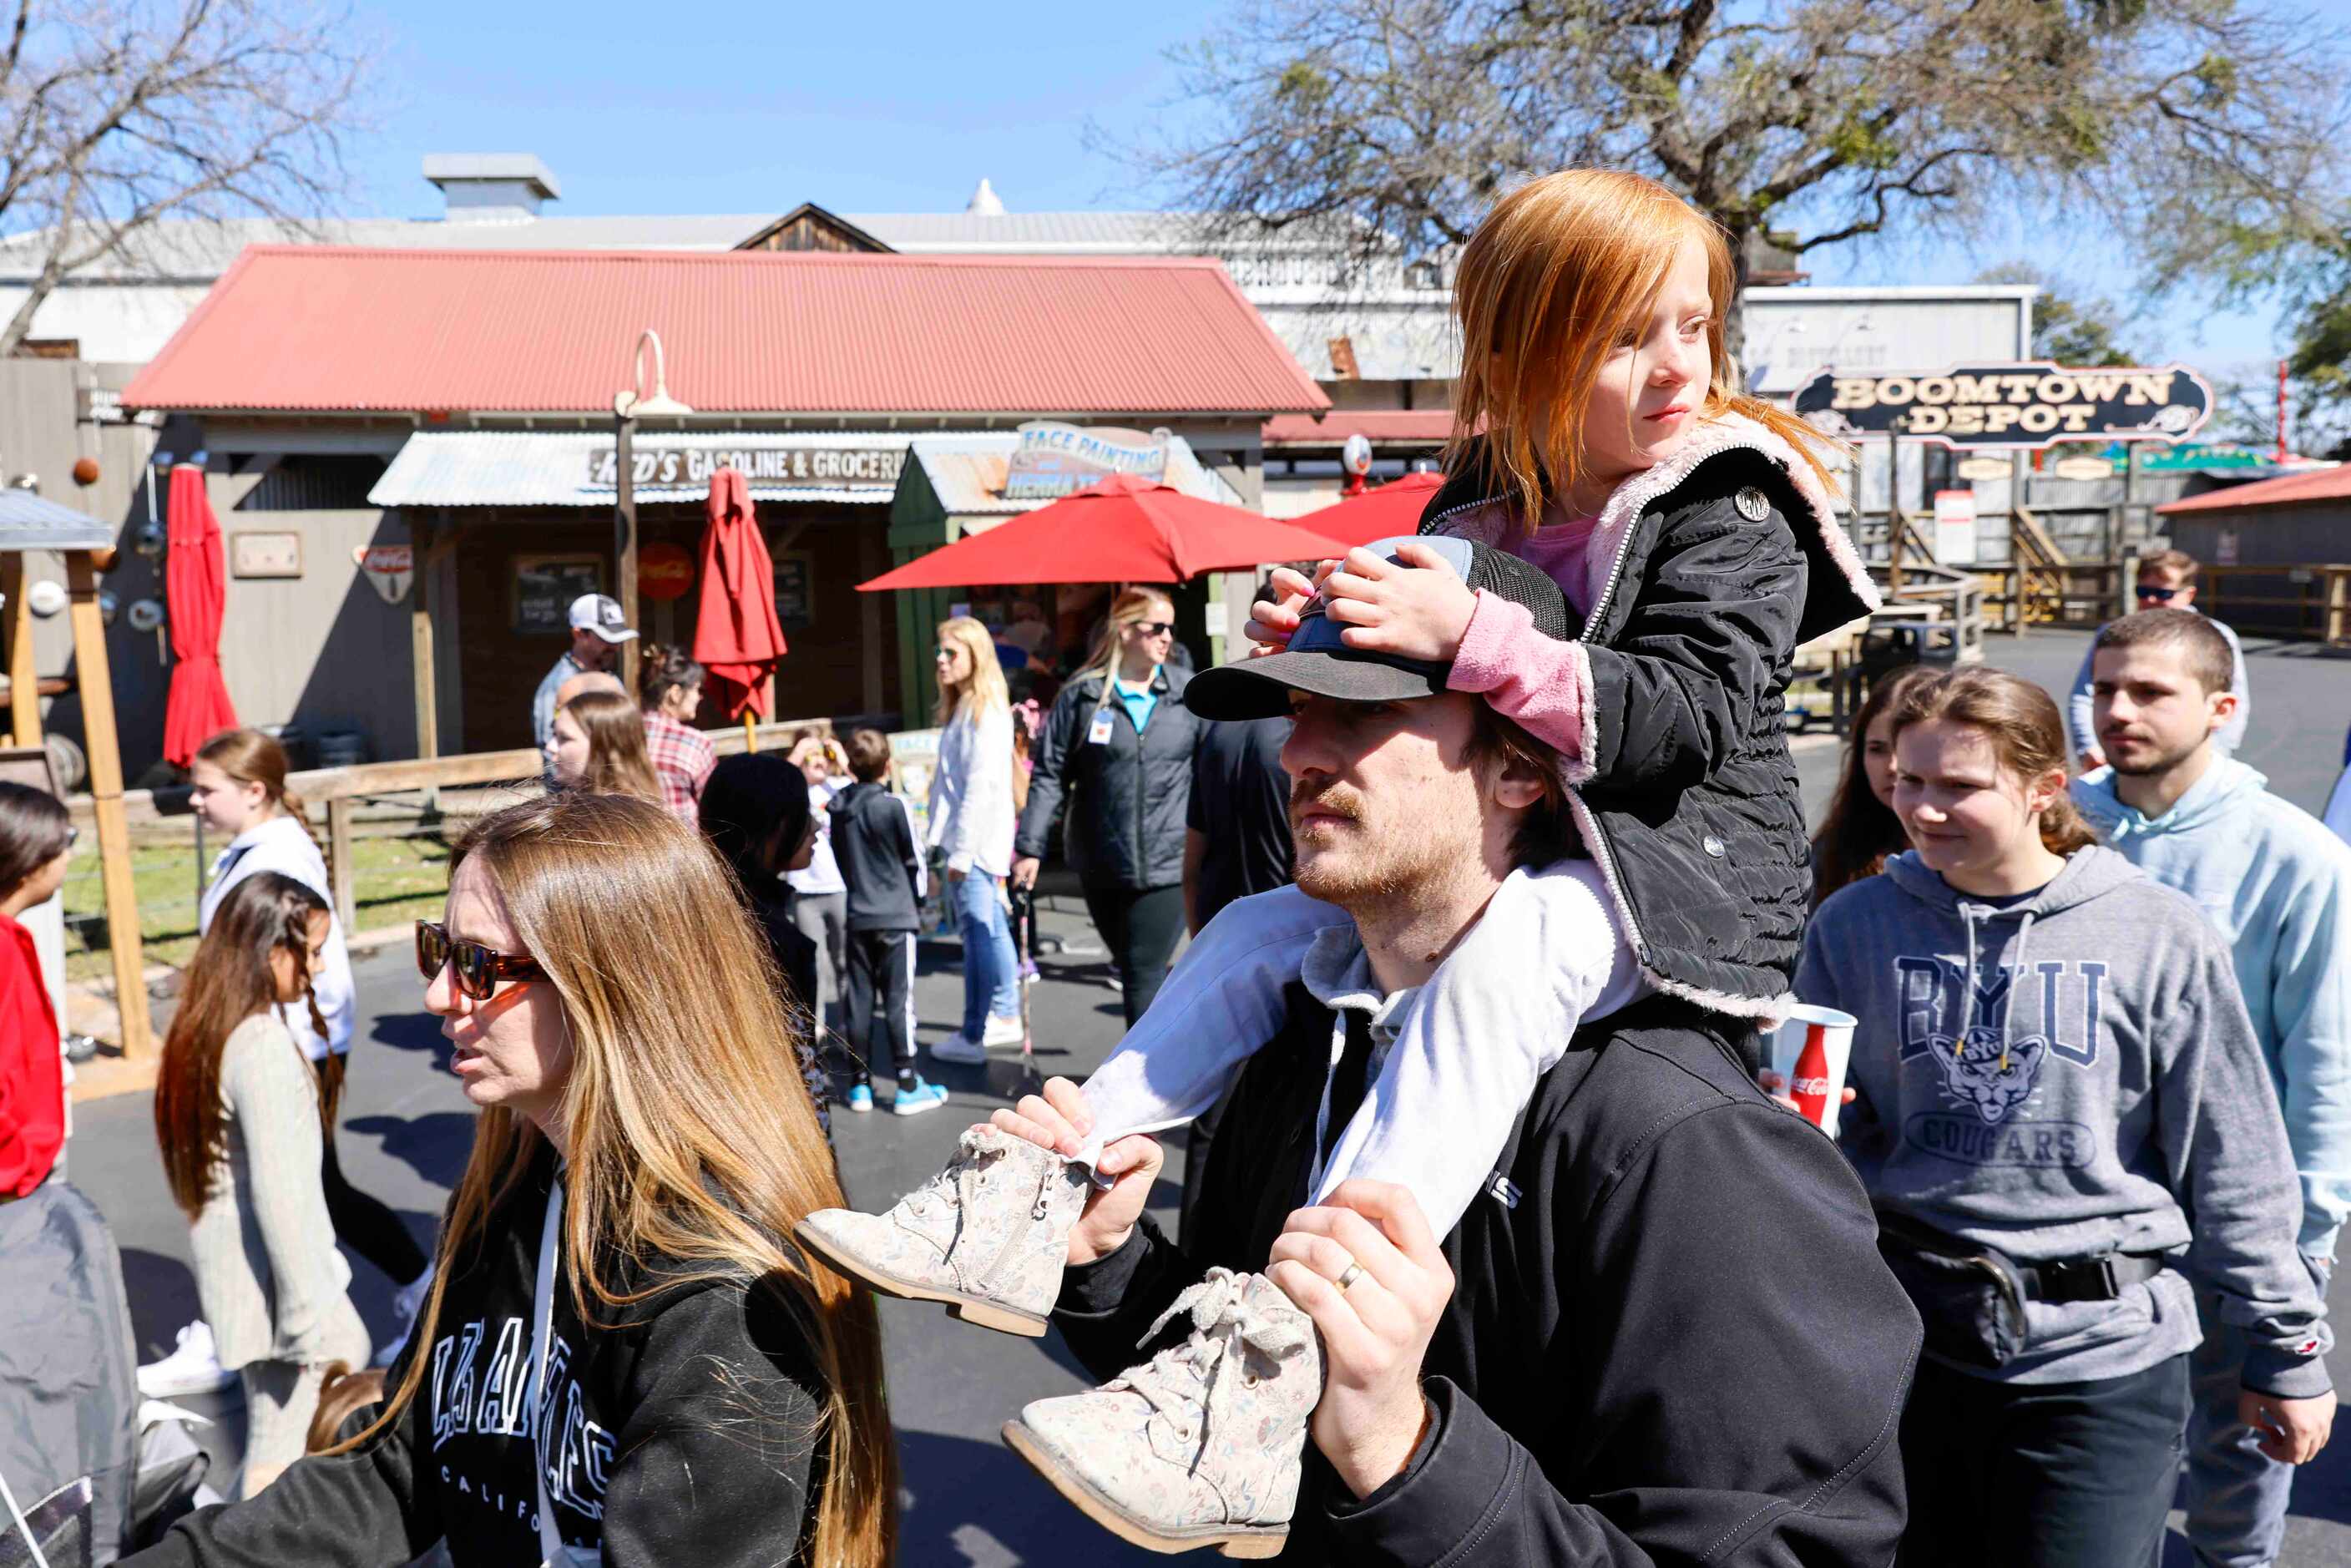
(741, 108)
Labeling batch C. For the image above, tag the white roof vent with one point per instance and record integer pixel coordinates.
(491, 187)
(984, 203)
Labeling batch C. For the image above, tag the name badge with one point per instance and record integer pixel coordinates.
(1099, 734)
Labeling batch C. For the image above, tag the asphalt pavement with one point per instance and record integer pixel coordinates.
(968, 1500)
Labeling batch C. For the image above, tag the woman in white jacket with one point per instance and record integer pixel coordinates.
(239, 778)
(972, 822)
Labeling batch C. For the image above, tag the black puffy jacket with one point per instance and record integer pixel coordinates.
(1671, 1338)
(1127, 797)
(1710, 567)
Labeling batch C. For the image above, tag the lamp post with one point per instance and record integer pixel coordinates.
(628, 407)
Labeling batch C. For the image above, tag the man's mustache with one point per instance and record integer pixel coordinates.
(1335, 798)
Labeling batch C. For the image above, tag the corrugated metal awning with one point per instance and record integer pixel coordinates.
(28, 522)
(575, 469)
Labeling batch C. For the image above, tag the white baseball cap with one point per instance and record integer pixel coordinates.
(598, 614)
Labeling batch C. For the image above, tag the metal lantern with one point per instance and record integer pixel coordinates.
(147, 541)
(146, 614)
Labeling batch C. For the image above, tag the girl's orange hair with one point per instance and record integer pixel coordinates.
(1561, 269)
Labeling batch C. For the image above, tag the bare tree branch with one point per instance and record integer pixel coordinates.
(116, 115)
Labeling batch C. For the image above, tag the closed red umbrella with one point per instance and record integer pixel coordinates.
(196, 583)
(1123, 529)
(737, 637)
(1393, 509)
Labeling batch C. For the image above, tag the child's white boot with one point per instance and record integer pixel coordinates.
(1199, 1447)
(986, 1236)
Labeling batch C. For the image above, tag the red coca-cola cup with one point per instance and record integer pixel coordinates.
(1809, 1053)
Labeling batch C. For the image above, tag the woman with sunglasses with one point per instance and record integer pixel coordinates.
(241, 1121)
(622, 1359)
(1118, 745)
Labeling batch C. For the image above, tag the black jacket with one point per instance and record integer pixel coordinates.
(1679, 1345)
(1126, 797)
(1723, 567)
(880, 863)
(685, 1431)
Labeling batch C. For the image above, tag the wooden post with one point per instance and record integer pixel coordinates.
(24, 676)
(95, 685)
(624, 542)
(873, 560)
(420, 641)
(340, 874)
(2338, 602)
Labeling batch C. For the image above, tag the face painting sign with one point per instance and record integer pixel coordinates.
(2017, 406)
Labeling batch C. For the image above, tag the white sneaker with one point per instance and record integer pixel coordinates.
(1004, 1031)
(192, 1367)
(958, 1048)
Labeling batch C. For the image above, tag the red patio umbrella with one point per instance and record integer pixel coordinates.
(737, 637)
(1393, 509)
(1122, 529)
(195, 585)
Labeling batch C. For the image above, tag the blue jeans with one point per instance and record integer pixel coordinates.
(990, 968)
(2235, 1495)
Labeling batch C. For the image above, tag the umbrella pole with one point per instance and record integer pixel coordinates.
(750, 730)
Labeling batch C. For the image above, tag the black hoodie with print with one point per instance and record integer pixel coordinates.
(680, 1430)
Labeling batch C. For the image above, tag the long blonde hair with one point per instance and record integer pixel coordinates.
(681, 1076)
(985, 692)
(1560, 270)
(1133, 604)
(617, 760)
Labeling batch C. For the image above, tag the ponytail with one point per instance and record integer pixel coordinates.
(249, 756)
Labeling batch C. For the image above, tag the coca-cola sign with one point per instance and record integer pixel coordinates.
(2018, 406)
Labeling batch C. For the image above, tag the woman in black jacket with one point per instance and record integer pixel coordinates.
(621, 1360)
(1118, 745)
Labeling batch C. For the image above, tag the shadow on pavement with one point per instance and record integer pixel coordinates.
(413, 1031)
(433, 1146)
(1023, 1521)
(163, 1292)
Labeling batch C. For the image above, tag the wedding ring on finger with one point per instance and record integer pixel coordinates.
(1354, 1272)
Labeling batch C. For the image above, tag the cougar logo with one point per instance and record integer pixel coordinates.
(1989, 1070)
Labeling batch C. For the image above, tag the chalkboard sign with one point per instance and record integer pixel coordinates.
(544, 587)
(795, 592)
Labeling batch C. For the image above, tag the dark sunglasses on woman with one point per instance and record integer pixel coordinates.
(1153, 628)
(476, 970)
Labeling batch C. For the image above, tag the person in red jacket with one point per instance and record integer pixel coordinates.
(34, 839)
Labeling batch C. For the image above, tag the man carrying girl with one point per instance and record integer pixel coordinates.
(1689, 528)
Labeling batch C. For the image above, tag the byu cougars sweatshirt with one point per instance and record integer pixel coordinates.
(2070, 1075)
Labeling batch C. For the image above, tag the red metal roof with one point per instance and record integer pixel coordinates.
(337, 329)
(2332, 484)
(1376, 425)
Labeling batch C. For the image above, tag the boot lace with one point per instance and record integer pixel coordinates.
(957, 1183)
(1194, 1375)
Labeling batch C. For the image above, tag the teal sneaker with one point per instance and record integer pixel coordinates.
(924, 1096)
(860, 1098)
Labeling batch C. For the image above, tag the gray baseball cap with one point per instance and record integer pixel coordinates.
(1318, 662)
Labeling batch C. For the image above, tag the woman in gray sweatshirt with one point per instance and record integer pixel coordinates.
(2056, 1091)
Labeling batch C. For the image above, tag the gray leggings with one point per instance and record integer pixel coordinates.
(823, 919)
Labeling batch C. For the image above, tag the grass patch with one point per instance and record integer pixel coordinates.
(396, 880)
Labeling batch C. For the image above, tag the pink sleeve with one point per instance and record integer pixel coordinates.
(1541, 683)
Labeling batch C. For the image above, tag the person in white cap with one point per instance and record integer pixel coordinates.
(598, 630)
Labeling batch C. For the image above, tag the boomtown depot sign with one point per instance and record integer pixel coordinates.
(2010, 405)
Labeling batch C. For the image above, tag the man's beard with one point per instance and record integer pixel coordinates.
(1367, 867)
(2159, 762)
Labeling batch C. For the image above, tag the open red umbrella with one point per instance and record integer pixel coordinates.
(195, 585)
(1391, 510)
(1122, 529)
(737, 637)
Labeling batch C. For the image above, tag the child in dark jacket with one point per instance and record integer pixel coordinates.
(1690, 527)
(880, 859)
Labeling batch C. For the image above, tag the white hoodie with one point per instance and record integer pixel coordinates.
(282, 844)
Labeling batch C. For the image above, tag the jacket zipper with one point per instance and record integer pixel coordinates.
(1599, 841)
